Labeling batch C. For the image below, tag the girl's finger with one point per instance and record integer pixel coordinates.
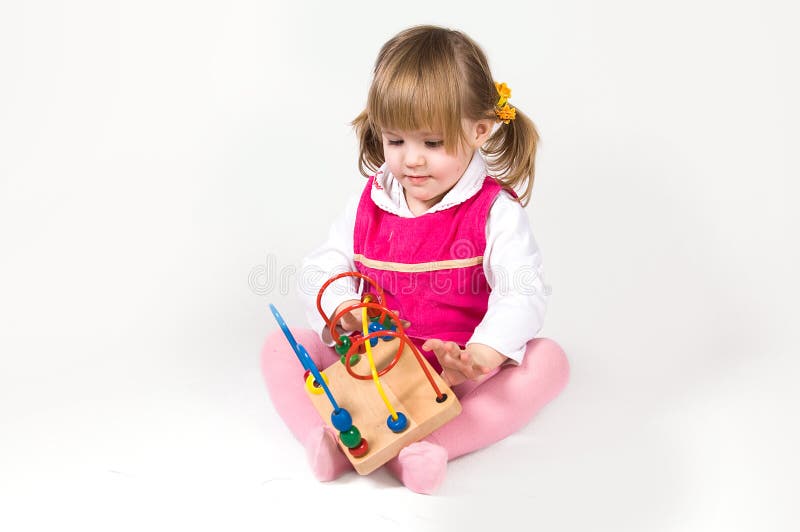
(431, 345)
(405, 323)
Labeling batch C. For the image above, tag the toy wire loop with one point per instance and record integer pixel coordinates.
(358, 342)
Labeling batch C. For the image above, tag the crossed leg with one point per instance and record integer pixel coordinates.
(491, 410)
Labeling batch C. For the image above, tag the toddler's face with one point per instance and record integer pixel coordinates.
(420, 162)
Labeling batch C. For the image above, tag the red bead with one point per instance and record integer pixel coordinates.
(369, 298)
(306, 374)
(362, 350)
(361, 450)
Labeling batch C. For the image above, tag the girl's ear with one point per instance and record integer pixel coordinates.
(480, 131)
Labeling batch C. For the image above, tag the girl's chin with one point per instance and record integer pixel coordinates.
(427, 201)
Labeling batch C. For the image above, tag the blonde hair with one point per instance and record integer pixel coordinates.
(427, 77)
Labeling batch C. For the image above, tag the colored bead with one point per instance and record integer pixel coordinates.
(341, 419)
(345, 345)
(313, 386)
(354, 338)
(368, 298)
(361, 450)
(362, 348)
(399, 424)
(374, 327)
(388, 324)
(306, 374)
(353, 359)
(350, 438)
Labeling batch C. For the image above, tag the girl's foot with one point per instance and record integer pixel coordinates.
(421, 466)
(326, 460)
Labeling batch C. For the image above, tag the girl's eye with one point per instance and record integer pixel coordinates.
(428, 143)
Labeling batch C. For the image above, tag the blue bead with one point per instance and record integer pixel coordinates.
(341, 420)
(399, 424)
(374, 327)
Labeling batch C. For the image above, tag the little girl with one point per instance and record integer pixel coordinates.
(450, 245)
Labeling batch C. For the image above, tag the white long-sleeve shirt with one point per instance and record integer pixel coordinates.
(512, 263)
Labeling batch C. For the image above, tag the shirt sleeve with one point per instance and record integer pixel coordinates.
(334, 256)
(512, 263)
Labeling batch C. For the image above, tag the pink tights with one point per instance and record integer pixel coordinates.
(491, 410)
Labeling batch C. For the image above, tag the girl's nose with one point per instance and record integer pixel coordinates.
(414, 158)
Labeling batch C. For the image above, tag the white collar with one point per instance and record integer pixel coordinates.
(387, 192)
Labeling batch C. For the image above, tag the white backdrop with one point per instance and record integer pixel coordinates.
(156, 194)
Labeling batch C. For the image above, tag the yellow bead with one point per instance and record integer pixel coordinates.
(313, 387)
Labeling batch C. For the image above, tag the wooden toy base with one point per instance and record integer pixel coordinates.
(407, 389)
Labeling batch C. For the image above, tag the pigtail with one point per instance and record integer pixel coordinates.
(370, 153)
(511, 154)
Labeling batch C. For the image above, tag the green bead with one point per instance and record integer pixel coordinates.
(346, 343)
(353, 359)
(350, 438)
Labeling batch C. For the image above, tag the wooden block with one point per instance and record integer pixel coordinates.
(407, 389)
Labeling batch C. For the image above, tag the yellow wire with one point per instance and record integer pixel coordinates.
(375, 379)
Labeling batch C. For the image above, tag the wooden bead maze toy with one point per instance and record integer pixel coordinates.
(417, 399)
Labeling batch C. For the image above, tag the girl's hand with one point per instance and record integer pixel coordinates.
(352, 320)
(459, 365)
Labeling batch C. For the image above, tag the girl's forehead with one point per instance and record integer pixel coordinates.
(415, 132)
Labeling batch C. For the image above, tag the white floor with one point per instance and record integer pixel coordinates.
(150, 439)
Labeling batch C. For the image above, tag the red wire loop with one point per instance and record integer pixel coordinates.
(334, 319)
(399, 333)
(359, 341)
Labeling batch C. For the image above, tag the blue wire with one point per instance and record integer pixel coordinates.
(289, 336)
(303, 356)
(315, 372)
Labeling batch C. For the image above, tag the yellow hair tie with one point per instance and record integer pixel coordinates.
(504, 112)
